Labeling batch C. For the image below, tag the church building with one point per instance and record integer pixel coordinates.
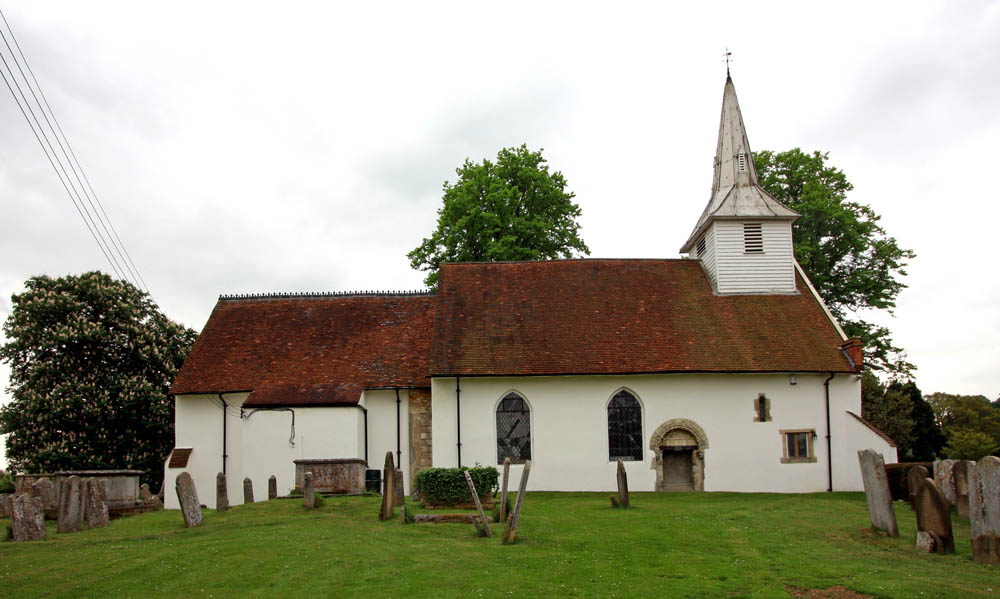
(719, 371)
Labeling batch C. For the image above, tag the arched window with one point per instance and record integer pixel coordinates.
(624, 427)
(513, 429)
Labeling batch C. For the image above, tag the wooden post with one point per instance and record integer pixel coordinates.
(511, 531)
(484, 530)
(503, 495)
(623, 498)
(388, 489)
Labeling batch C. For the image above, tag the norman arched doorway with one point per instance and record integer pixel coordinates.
(678, 449)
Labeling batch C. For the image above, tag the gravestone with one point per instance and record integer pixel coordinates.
(877, 492)
(187, 496)
(984, 510)
(934, 516)
(45, 490)
(221, 493)
(96, 501)
(503, 491)
(145, 495)
(272, 487)
(389, 489)
(247, 490)
(623, 498)
(913, 478)
(944, 479)
(397, 487)
(510, 532)
(72, 497)
(960, 474)
(482, 524)
(5, 499)
(308, 491)
(26, 518)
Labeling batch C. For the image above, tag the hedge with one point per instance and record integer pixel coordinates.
(447, 486)
(898, 475)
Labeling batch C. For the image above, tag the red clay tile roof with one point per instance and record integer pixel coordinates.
(617, 317)
(310, 350)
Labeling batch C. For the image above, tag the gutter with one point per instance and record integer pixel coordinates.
(829, 456)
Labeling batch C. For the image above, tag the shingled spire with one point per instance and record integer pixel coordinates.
(738, 198)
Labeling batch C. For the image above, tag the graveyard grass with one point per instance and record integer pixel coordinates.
(568, 544)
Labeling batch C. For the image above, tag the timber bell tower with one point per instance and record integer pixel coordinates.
(744, 236)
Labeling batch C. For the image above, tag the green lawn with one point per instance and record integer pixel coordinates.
(570, 544)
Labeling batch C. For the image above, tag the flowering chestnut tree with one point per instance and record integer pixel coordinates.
(91, 361)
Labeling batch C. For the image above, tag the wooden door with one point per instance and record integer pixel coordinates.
(677, 472)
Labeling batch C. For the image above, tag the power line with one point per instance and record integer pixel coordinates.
(109, 241)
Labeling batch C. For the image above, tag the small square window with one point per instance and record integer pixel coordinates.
(797, 446)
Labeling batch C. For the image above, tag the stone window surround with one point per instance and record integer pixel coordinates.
(767, 408)
(784, 446)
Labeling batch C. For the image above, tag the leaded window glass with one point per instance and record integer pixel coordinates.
(513, 429)
(624, 427)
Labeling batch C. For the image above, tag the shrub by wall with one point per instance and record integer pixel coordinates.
(447, 486)
(898, 474)
(6, 483)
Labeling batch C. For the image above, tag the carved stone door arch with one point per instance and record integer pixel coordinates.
(684, 436)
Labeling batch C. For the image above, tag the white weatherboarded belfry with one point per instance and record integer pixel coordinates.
(719, 371)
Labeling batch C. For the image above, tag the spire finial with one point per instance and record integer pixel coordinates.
(728, 58)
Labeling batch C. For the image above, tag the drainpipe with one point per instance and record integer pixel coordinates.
(829, 456)
(365, 411)
(224, 456)
(458, 416)
(399, 451)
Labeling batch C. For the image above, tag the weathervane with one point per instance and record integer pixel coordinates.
(728, 58)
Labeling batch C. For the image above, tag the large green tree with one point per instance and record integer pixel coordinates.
(853, 263)
(509, 209)
(900, 410)
(91, 361)
(970, 422)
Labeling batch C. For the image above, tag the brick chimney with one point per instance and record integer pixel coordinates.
(854, 351)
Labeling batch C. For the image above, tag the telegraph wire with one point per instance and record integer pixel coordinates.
(68, 192)
(108, 241)
(119, 246)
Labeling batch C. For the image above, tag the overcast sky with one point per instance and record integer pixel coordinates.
(302, 147)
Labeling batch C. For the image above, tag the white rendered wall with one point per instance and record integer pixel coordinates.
(381, 405)
(569, 428)
(771, 271)
(258, 444)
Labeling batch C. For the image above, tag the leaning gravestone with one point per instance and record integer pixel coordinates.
(221, 493)
(503, 491)
(623, 497)
(484, 530)
(944, 479)
(914, 476)
(45, 490)
(72, 498)
(96, 501)
(388, 490)
(984, 510)
(933, 519)
(510, 531)
(308, 491)
(272, 487)
(960, 474)
(187, 496)
(877, 492)
(26, 518)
